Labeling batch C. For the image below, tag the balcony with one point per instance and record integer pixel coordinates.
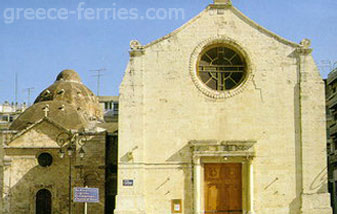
(333, 130)
(332, 77)
(332, 102)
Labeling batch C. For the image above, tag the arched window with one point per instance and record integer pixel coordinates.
(43, 202)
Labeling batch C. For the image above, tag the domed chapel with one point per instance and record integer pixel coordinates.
(54, 146)
(219, 116)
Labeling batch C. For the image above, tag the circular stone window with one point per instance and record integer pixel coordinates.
(221, 68)
(45, 159)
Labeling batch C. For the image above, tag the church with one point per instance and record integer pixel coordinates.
(219, 116)
(222, 116)
(58, 144)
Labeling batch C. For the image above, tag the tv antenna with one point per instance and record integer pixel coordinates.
(327, 65)
(98, 75)
(16, 88)
(29, 93)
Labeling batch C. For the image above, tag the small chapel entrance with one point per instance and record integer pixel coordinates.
(223, 188)
(43, 202)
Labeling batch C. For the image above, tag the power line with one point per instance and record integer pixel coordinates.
(98, 75)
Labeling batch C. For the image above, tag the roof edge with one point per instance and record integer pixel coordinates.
(237, 13)
(35, 124)
(263, 29)
(177, 30)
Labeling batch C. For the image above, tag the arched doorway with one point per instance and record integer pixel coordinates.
(43, 202)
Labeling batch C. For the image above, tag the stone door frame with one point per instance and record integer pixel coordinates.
(223, 152)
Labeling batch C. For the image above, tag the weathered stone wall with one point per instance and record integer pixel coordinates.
(162, 110)
(313, 141)
(91, 171)
(5, 135)
(24, 177)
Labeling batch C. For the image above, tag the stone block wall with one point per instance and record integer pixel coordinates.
(162, 109)
(24, 177)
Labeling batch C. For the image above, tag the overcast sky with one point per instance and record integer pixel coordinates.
(41, 38)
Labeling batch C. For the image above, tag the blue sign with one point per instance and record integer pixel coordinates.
(86, 195)
(128, 183)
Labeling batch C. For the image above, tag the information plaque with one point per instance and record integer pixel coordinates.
(86, 195)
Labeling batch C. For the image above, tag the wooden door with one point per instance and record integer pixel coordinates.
(223, 188)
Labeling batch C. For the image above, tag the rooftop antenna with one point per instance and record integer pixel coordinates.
(16, 88)
(327, 65)
(98, 75)
(29, 91)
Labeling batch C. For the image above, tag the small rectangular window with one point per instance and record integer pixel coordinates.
(115, 107)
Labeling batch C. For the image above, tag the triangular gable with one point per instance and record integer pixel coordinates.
(42, 134)
(240, 15)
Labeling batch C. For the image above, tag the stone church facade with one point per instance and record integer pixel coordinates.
(57, 144)
(222, 116)
(219, 116)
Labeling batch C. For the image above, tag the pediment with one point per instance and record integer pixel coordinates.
(40, 135)
(215, 11)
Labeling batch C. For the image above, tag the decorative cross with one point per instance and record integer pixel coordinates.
(46, 110)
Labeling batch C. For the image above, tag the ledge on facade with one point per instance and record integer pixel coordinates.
(304, 51)
(23, 147)
(7, 161)
(7, 131)
(220, 148)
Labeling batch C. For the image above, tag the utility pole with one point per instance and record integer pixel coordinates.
(98, 75)
(29, 91)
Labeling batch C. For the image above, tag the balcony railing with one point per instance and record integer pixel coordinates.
(332, 102)
(333, 130)
(332, 77)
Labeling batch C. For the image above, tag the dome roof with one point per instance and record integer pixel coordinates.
(69, 88)
(68, 91)
(60, 112)
(69, 75)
